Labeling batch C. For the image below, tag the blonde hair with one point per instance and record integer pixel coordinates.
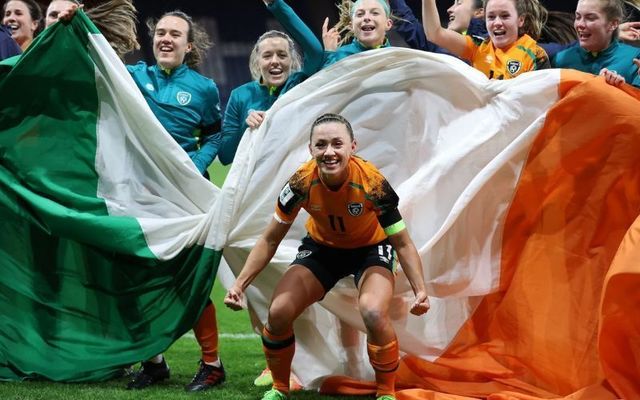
(197, 36)
(254, 65)
(345, 13)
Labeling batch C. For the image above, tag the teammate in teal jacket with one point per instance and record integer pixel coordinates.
(617, 57)
(276, 68)
(598, 50)
(183, 101)
(370, 20)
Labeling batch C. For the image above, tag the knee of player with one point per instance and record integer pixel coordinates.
(373, 316)
(280, 320)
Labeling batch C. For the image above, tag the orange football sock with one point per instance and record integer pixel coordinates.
(384, 360)
(206, 331)
(279, 350)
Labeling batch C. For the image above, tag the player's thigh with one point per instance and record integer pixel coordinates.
(297, 290)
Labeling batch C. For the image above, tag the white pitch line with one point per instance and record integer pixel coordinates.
(235, 336)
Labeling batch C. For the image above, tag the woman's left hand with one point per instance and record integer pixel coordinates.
(421, 304)
(612, 77)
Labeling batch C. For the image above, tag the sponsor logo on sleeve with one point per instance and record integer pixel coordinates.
(286, 194)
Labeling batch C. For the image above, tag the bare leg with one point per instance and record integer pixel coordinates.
(376, 291)
(296, 291)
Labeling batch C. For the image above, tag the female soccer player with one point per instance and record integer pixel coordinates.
(599, 52)
(182, 100)
(354, 228)
(368, 21)
(24, 19)
(275, 68)
(510, 48)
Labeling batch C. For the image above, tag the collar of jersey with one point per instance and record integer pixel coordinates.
(171, 71)
(363, 47)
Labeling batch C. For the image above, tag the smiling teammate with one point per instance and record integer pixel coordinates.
(275, 68)
(367, 20)
(510, 48)
(598, 50)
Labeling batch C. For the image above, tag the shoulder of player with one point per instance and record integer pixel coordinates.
(197, 80)
(366, 175)
(301, 180)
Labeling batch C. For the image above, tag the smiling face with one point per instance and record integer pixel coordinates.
(503, 22)
(18, 18)
(595, 29)
(460, 14)
(54, 9)
(370, 23)
(274, 61)
(332, 147)
(170, 41)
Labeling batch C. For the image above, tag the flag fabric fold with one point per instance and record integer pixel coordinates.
(517, 194)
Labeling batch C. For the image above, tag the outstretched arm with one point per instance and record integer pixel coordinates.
(300, 32)
(412, 267)
(453, 41)
(258, 259)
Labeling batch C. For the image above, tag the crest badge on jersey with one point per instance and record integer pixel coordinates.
(355, 209)
(513, 66)
(183, 98)
(149, 87)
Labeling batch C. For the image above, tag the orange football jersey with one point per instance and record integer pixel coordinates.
(345, 218)
(522, 56)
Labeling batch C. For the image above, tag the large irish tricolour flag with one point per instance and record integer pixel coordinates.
(521, 197)
(103, 218)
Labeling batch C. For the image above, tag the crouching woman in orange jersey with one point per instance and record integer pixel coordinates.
(354, 228)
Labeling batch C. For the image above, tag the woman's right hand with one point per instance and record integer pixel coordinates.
(234, 298)
(69, 11)
(629, 32)
(330, 37)
(255, 118)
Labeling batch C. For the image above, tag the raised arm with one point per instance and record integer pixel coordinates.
(409, 27)
(258, 259)
(451, 40)
(300, 32)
